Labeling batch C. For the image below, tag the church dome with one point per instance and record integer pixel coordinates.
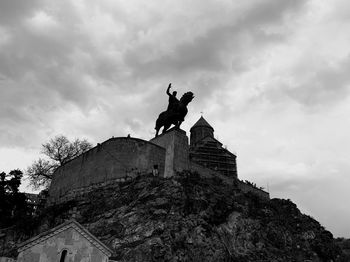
(200, 130)
(202, 123)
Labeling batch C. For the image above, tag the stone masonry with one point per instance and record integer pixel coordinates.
(176, 147)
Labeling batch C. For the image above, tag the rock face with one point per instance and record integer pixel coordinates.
(191, 218)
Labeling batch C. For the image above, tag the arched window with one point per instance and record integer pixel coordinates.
(63, 255)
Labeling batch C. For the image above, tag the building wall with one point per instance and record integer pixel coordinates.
(210, 153)
(114, 159)
(176, 145)
(78, 249)
(198, 133)
(7, 259)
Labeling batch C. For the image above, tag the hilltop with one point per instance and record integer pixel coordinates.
(192, 218)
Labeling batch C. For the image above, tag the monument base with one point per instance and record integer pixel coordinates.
(176, 147)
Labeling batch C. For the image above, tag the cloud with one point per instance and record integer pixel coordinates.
(227, 34)
(14, 11)
(324, 84)
(272, 77)
(69, 54)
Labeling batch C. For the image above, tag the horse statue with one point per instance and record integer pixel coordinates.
(175, 116)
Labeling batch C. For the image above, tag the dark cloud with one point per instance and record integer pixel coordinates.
(207, 60)
(53, 57)
(219, 48)
(15, 11)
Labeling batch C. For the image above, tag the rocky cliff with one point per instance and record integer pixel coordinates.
(191, 218)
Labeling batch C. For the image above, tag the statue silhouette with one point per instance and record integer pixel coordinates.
(173, 101)
(176, 111)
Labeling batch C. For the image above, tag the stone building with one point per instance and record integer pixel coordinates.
(68, 242)
(207, 151)
(114, 160)
(7, 259)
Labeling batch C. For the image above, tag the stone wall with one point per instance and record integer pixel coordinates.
(208, 173)
(115, 159)
(252, 189)
(176, 145)
(245, 187)
(7, 259)
(79, 194)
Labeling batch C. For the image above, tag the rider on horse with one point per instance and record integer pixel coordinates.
(173, 101)
(176, 111)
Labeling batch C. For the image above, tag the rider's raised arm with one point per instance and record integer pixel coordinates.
(167, 91)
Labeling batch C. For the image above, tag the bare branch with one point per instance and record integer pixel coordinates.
(59, 150)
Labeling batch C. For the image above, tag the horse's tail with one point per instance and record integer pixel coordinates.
(160, 120)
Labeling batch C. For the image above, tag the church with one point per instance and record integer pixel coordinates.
(209, 152)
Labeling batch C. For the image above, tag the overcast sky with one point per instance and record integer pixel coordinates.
(272, 77)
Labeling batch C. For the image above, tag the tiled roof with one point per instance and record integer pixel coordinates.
(202, 123)
(66, 225)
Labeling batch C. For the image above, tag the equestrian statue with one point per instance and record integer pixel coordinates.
(176, 111)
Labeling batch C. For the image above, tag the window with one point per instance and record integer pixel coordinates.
(155, 171)
(63, 256)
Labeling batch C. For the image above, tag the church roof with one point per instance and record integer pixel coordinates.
(67, 225)
(202, 123)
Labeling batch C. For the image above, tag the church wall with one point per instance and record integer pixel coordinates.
(49, 250)
(199, 133)
(116, 158)
(210, 153)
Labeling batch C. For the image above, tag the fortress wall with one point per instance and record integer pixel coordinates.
(249, 188)
(115, 158)
(206, 172)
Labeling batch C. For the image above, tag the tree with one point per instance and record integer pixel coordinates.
(12, 203)
(58, 150)
(40, 173)
(61, 150)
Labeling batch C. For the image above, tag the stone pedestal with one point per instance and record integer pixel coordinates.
(176, 146)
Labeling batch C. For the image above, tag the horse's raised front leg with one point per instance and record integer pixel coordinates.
(166, 127)
(179, 124)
